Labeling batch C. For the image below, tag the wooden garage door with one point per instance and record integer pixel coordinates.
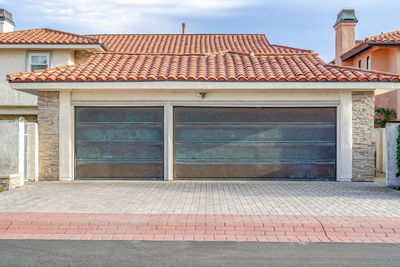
(285, 143)
(119, 143)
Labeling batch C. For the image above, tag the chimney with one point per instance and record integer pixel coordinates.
(6, 21)
(184, 28)
(345, 28)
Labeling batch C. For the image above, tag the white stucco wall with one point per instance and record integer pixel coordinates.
(14, 61)
(5, 26)
(392, 133)
(341, 99)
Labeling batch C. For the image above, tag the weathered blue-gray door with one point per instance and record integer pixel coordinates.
(120, 143)
(225, 142)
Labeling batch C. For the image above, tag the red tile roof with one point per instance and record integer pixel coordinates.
(45, 36)
(191, 43)
(223, 66)
(386, 37)
(380, 39)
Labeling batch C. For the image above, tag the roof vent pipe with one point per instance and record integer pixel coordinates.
(184, 28)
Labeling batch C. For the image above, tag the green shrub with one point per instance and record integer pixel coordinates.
(383, 115)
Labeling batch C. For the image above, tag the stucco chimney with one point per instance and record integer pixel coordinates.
(345, 28)
(6, 21)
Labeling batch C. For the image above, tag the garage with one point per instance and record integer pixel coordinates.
(119, 142)
(247, 142)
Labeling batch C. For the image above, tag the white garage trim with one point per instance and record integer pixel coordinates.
(32, 87)
(67, 122)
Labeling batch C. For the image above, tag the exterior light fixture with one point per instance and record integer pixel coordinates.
(202, 94)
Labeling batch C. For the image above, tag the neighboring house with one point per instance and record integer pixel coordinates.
(380, 52)
(183, 106)
(31, 50)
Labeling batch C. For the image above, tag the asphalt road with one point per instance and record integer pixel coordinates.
(146, 253)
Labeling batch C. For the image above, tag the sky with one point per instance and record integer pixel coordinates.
(305, 24)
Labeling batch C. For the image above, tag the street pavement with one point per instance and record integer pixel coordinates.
(144, 253)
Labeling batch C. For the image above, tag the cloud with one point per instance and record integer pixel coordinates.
(117, 16)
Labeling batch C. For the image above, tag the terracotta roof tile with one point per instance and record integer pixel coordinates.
(45, 36)
(222, 67)
(385, 37)
(191, 43)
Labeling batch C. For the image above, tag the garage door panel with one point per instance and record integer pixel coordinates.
(233, 114)
(227, 132)
(122, 115)
(119, 142)
(120, 170)
(246, 151)
(281, 170)
(118, 131)
(255, 142)
(119, 150)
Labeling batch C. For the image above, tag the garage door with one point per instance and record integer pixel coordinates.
(285, 143)
(119, 143)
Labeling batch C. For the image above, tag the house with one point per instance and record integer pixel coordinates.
(380, 52)
(206, 106)
(31, 50)
(28, 51)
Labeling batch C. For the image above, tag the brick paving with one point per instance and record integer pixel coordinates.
(206, 197)
(191, 227)
(203, 211)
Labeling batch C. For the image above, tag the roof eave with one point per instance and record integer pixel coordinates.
(33, 87)
(94, 47)
(355, 52)
(364, 47)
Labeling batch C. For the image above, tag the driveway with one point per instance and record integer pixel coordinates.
(205, 197)
(202, 211)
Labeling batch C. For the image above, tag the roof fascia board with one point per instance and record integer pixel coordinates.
(205, 85)
(366, 46)
(355, 52)
(53, 46)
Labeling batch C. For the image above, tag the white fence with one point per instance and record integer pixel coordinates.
(392, 132)
(19, 149)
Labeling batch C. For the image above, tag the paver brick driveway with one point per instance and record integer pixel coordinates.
(206, 197)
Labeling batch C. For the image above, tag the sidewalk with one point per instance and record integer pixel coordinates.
(262, 228)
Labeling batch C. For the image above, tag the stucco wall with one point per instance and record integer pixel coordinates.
(9, 145)
(391, 154)
(16, 151)
(48, 119)
(363, 136)
(381, 59)
(390, 100)
(14, 61)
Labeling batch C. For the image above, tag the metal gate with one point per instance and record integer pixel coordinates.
(228, 142)
(119, 142)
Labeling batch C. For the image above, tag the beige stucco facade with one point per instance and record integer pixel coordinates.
(14, 60)
(386, 59)
(383, 58)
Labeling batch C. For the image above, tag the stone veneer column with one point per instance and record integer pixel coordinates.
(363, 136)
(48, 120)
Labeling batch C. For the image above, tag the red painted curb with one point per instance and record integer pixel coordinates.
(199, 227)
